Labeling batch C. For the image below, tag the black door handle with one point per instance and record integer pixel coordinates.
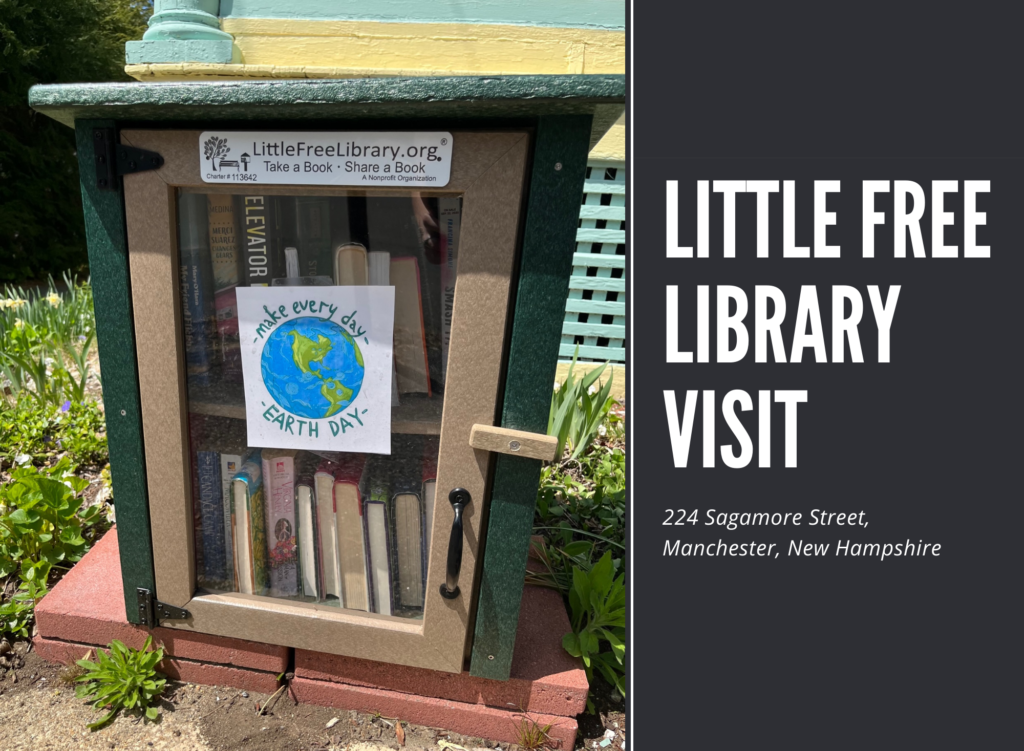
(459, 498)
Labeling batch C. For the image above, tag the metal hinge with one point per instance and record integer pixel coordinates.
(114, 160)
(152, 611)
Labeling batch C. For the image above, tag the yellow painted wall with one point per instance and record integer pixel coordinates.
(287, 48)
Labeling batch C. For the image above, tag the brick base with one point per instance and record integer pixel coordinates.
(86, 610)
(468, 719)
(174, 668)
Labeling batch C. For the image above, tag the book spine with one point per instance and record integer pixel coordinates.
(280, 234)
(313, 235)
(279, 482)
(195, 277)
(211, 509)
(251, 476)
(450, 211)
(230, 464)
(379, 264)
(225, 255)
(258, 551)
(254, 219)
(377, 543)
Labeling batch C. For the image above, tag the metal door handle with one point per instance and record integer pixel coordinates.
(459, 498)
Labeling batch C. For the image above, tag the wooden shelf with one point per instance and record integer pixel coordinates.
(417, 414)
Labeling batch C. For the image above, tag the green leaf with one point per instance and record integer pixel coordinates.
(601, 575)
(571, 644)
(103, 720)
(152, 713)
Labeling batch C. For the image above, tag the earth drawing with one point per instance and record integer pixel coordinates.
(312, 367)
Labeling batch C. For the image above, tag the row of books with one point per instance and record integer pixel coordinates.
(353, 533)
(227, 241)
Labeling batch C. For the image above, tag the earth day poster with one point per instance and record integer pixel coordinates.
(316, 364)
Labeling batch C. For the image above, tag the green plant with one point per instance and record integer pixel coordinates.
(42, 525)
(122, 678)
(531, 735)
(30, 433)
(597, 601)
(45, 343)
(578, 409)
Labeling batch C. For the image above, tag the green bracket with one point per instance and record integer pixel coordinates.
(111, 286)
(549, 240)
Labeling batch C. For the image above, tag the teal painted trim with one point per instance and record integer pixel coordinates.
(604, 330)
(181, 51)
(546, 260)
(614, 213)
(614, 355)
(461, 97)
(185, 19)
(597, 186)
(599, 261)
(108, 270)
(597, 283)
(582, 14)
(601, 308)
(614, 236)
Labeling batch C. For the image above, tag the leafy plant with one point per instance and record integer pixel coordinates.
(42, 525)
(598, 616)
(531, 735)
(579, 408)
(30, 433)
(122, 678)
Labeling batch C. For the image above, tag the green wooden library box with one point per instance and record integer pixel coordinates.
(328, 316)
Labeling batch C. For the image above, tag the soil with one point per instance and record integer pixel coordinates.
(39, 712)
(609, 715)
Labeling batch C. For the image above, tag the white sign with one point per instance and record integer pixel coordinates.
(363, 159)
(316, 362)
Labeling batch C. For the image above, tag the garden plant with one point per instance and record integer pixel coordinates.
(53, 445)
(580, 516)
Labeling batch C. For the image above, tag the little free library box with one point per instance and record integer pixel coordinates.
(329, 315)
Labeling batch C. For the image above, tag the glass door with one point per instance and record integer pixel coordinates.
(334, 551)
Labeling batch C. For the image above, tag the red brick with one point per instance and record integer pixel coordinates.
(544, 677)
(87, 607)
(468, 719)
(174, 668)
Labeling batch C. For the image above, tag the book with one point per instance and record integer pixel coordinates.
(250, 527)
(230, 464)
(196, 283)
(450, 215)
(430, 454)
(410, 350)
(308, 533)
(211, 514)
(225, 257)
(408, 572)
(291, 263)
(351, 541)
(377, 530)
(313, 235)
(330, 567)
(280, 234)
(350, 265)
(379, 263)
(279, 490)
(254, 219)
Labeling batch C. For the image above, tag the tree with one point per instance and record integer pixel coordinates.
(51, 41)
